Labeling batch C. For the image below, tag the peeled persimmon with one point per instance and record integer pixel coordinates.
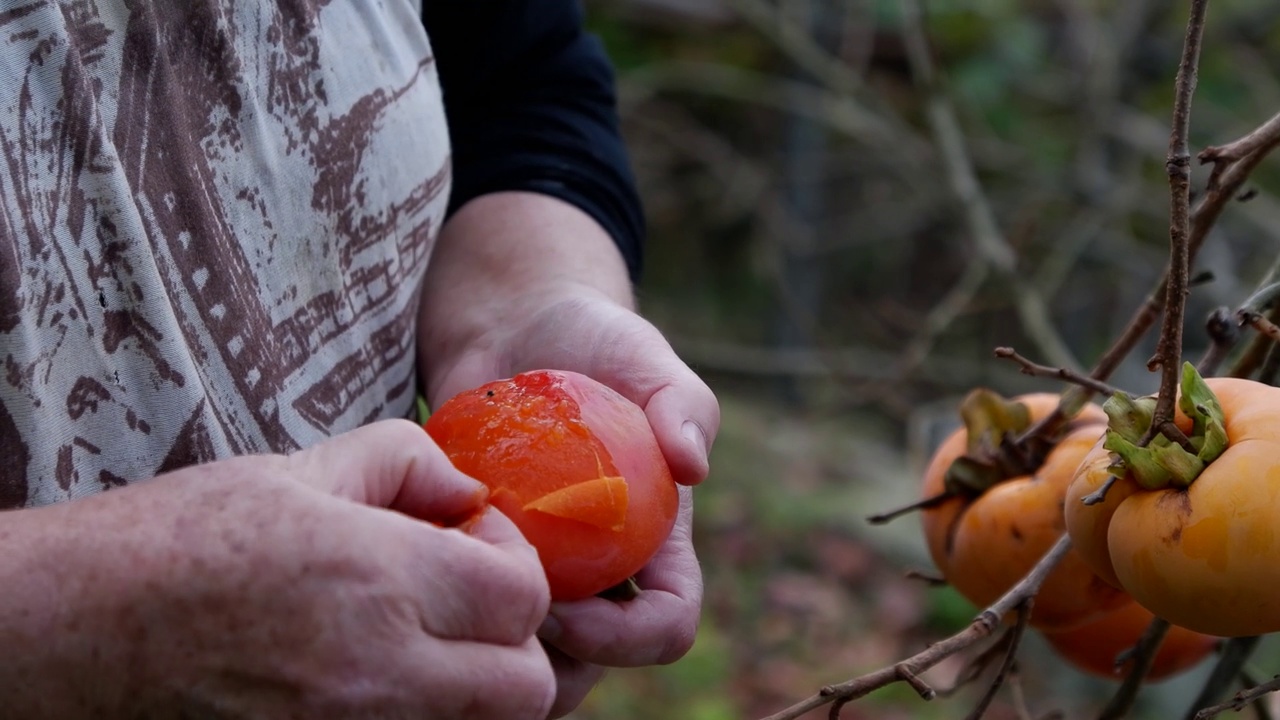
(576, 467)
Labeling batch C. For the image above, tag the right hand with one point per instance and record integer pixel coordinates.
(272, 586)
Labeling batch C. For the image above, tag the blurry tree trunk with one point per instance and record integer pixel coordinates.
(800, 277)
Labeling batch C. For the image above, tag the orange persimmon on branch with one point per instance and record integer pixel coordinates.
(1168, 507)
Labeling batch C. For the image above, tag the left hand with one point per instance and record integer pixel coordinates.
(523, 282)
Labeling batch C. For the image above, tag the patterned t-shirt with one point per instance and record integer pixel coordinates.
(215, 216)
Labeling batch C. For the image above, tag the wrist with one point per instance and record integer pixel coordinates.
(58, 574)
(502, 260)
(513, 244)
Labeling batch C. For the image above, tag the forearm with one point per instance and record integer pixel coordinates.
(515, 242)
(51, 663)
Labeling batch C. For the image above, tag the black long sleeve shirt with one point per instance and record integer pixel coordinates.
(531, 105)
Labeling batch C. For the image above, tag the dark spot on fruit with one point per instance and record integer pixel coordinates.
(489, 394)
(1178, 498)
(1017, 534)
(1175, 536)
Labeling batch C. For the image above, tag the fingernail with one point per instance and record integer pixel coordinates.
(693, 433)
(551, 629)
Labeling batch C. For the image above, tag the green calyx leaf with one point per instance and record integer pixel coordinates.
(1138, 462)
(1208, 431)
(1163, 463)
(991, 421)
(1129, 417)
(989, 416)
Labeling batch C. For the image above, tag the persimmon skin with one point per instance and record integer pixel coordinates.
(985, 545)
(1207, 557)
(554, 447)
(1094, 646)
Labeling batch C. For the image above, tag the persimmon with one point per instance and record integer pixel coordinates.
(576, 467)
(994, 522)
(1094, 646)
(1193, 534)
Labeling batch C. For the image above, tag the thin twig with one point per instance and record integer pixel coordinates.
(925, 504)
(1260, 709)
(976, 666)
(1231, 659)
(1010, 655)
(1261, 139)
(907, 670)
(1178, 166)
(1232, 176)
(1223, 334)
(1018, 695)
(1030, 368)
(1241, 700)
(929, 578)
(1261, 324)
(1142, 655)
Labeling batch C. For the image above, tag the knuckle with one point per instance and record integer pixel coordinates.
(529, 597)
(540, 690)
(403, 431)
(508, 590)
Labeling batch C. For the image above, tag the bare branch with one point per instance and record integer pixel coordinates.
(1142, 655)
(908, 670)
(1223, 334)
(1234, 653)
(1035, 370)
(1241, 700)
(1178, 166)
(1010, 654)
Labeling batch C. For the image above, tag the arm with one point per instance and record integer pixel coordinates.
(270, 586)
(533, 269)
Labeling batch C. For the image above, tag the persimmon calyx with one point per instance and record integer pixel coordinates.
(991, 422)
(1163, 463)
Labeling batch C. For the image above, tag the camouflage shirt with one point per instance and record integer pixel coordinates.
(215, 216)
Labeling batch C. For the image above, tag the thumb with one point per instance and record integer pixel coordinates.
(392, 464)
(680, 407)
(685, 417)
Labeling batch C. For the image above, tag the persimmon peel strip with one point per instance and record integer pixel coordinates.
(601, 502)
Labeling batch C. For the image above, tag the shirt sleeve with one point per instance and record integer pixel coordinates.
(531, 105)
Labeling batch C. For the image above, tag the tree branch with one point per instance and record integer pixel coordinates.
(1178, 166)
(908, 670)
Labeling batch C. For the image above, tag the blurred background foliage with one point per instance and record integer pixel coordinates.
(816, 255)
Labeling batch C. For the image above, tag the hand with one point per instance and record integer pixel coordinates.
(521, 282)
(263, 587)
(655, 628)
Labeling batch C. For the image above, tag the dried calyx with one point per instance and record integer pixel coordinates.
(995, 451)
(1163, 463)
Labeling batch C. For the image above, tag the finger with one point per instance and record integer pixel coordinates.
(486, 586)
(574, 680)
(685, 417)
(472, 681)
(656, 627)
(680, 407)
(392, 464)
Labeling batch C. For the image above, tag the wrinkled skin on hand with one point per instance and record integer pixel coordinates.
(272, 586)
